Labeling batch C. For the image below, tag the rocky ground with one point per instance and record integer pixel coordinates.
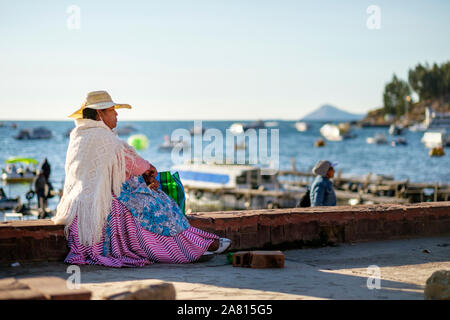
(339, 272)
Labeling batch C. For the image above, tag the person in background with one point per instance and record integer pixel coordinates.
(11, 169)
(46, 169)
(41, 189)
(322, 192)
(2, 193)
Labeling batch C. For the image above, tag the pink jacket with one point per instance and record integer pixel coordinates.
(135, 166)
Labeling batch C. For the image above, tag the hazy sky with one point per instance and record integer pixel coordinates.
(211, 59)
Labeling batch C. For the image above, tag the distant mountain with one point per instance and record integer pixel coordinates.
(330, 113)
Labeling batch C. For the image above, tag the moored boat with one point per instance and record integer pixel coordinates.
(379, 138)
(237, 128)
(399, 142)
(34, 134)
(7, 203)
(436, 138)
(14, 174)
(395, 130)
(319, 143)
(334, 132)
(211, 186)
(417, 127)
(301, 126)
(436, 152)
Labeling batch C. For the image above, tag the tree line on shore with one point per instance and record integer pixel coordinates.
(430, 83)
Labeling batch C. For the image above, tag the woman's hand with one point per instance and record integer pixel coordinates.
(151, 182)
(154, 184)
(152, 172)
(150, 178)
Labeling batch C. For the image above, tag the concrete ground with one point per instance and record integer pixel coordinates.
(321, 273)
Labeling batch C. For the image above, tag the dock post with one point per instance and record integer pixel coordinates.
(338, 179)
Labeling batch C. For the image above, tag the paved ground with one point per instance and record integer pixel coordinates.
(321, 273)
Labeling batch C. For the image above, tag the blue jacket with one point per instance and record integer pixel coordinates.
(322, 192)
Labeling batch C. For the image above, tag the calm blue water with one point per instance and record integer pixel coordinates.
(355, 156)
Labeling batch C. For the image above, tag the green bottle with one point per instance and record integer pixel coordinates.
(230, 257)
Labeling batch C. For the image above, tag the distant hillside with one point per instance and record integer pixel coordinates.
(331, 113)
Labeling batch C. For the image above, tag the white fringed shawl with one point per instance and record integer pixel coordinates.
(95, 167)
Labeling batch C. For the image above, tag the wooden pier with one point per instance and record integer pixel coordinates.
(289, 186)
(378, 188)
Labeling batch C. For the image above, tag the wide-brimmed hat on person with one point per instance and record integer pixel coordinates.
(321, 168)
(97, 100)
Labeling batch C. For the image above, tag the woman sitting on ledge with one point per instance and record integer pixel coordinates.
(113, 212)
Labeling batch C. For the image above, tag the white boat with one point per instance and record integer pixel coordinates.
(395, 130)
(13, 174)
(301, 126)
(379, 138)
(417, 127)
(214, 176)
(15, 177)
(336, 132)
(436, 138)
(237, 128)
(206, 184)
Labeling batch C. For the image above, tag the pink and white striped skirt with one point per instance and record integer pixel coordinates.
(126, 244)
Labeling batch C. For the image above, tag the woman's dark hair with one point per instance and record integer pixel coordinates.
(89, 113)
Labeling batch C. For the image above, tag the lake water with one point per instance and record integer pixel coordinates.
(355, 156)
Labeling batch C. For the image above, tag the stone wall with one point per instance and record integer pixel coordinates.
(297, 227)
(40, 240)
(33, 240)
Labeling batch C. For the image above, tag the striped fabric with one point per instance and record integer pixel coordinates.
(126, 244)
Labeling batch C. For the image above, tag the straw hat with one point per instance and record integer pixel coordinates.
(321, 168)
(97, 100)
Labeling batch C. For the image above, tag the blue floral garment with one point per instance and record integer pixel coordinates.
(154, 210)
